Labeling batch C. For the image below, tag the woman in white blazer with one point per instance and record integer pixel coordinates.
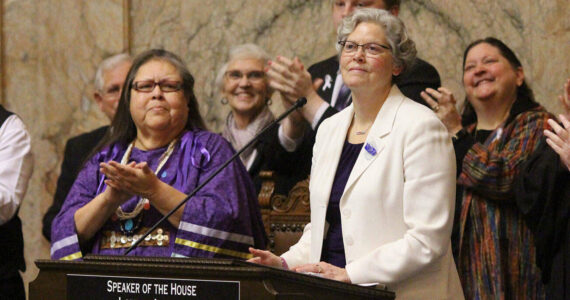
(383, 177)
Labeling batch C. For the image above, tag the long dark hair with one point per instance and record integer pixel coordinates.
(123, 129)
(524, 92)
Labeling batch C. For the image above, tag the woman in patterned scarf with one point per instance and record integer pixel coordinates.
(243, 85)
(493, 246)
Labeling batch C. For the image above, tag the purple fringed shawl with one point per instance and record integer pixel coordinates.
(222, 220)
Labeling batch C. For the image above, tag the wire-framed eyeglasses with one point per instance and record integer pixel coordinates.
(371, 49)
(253, 76)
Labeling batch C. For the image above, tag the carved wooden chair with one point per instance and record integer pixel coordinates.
(284, 216)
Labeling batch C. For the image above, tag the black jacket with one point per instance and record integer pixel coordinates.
(76, 151)
(288, 167)
(542, 193)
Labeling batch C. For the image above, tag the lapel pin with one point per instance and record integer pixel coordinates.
(370, 149)
(328, 82)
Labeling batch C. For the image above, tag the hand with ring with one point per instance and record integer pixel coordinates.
(558, 138)
(319, 269)
(326, 270)
(443, 104)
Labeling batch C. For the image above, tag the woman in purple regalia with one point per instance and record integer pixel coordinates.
(156, 153)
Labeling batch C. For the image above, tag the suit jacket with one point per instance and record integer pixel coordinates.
(76, 151)
(416, 78)
(398, 203)
(288, 167)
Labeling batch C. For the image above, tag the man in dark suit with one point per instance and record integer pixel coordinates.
(322, 83)
(109, 80)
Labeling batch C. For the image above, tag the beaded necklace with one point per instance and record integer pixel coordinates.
(129, 226)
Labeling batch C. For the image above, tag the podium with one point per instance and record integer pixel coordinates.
(125, 277)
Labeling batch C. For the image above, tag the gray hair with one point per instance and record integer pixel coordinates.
(387, 3)
(244, 51)
(403, 48)
(107, 64)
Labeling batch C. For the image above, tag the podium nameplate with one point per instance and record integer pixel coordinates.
(87, 287)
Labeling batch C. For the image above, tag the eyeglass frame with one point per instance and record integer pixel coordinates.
(112, 91)
(179, 86)
(364, 48)
(248, 75)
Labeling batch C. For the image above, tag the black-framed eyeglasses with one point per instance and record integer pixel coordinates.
(166, 86)
(253, 76)
(371, 49)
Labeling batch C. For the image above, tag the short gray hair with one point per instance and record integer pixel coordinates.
(403, 48)
(244, 51)
(107, 64)
(387, 3)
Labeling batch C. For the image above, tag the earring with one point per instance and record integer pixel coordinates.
(268, 101)
(224, 101)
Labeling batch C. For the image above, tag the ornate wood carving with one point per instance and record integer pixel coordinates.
(297, 201)
(284, 216)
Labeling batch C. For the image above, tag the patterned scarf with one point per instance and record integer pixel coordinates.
(239, 137)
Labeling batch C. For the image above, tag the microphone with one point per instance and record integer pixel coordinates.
(299, 103)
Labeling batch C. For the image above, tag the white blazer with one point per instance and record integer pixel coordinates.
(398, 204)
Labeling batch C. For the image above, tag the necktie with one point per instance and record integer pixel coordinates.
(343, 99)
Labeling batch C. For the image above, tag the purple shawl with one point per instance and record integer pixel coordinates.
(221, 220)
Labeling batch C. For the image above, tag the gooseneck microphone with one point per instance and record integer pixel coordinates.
(299, 103)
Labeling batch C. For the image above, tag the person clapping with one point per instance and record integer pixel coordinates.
(157, 152)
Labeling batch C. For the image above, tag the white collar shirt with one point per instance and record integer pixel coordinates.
(16, 166)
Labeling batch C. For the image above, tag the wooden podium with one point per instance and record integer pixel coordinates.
(123, 277)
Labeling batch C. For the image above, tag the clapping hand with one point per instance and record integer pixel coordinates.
(442, 103)
(133, 178)
(290, 78)
(293, 81)
(559, 138)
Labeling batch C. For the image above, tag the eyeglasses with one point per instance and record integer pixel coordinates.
(165, 86)
(371, 49)
(253, 76)
(111, 91)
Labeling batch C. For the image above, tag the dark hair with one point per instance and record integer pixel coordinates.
(391, 3)
(524, 92)
(123, 127)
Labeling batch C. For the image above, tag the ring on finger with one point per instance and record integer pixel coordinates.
(319, 268)
(436, 107)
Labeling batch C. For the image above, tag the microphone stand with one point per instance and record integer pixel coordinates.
(299, 103)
